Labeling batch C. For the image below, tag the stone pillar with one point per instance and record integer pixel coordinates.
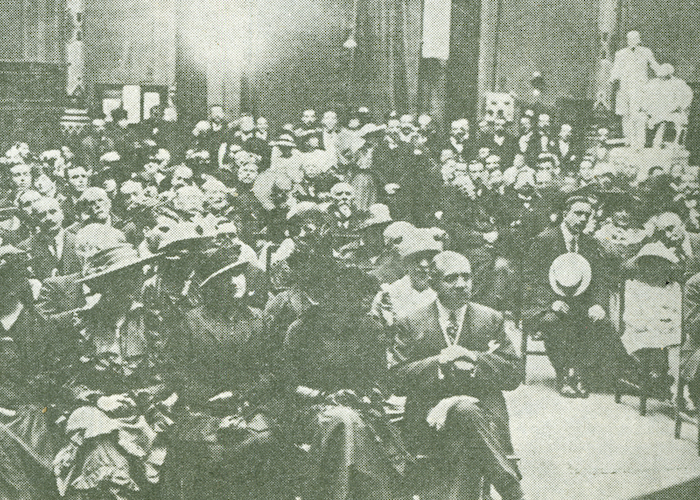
(607, 25)
(75, 116)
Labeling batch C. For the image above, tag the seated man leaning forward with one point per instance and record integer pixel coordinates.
(452, 360)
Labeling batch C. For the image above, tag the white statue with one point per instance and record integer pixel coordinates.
(666, 102)
(631, 69)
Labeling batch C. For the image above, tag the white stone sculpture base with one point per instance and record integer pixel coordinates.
(644, 159)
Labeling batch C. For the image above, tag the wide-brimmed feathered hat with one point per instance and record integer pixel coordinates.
(183, 234)
(112, 259)
(219, 262)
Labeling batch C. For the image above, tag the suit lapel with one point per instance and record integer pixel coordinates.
(433, 331)
(68, 257)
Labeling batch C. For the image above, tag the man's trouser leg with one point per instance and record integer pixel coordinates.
(555, 334)
(469, 448)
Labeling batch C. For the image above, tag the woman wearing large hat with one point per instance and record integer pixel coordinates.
(113, 444)
(222, 442)
(652, 315)
(172, 290)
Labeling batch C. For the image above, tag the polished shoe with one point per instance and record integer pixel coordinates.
(581, 389)
(568, 391)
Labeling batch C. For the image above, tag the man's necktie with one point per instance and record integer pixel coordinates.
(452, 328)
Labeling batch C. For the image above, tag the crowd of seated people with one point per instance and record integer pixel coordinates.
(319, 311)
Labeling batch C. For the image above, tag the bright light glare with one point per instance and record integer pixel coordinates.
(220, 33)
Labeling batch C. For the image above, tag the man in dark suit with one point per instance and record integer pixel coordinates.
(567, 152)
(501, 143)
(529, 141)
(452, 360)
(690, 351)
(576, 335)
(52, 249)
(77, 181)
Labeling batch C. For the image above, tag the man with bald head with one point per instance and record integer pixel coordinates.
(346, 217)
(452, 359)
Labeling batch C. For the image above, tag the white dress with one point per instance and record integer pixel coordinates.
(652, 316)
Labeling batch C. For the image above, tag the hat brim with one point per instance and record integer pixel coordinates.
(122, 267)
(372, 133)
(222, 271)
(184, 241)
(559, 289)
(373, 223)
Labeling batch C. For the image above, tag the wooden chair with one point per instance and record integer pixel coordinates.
(680, 411)
(644, 387)
(524, 352)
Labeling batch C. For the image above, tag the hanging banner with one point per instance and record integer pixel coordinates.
(436, 29)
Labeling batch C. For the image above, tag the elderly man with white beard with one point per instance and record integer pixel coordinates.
(346, 217)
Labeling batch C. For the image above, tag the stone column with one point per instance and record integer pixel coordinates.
(607, 25)
(75, 116)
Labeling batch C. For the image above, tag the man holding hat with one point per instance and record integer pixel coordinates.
(564, 297)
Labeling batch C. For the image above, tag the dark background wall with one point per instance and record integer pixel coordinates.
(31, 71)
(31, 30)
(297, 58)
(301, 61)
(558, 38)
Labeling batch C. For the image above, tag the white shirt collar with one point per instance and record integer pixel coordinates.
(58, 243)
(569, 238)
(444, 320)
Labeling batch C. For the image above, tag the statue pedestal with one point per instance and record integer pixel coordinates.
(74, 121)
(644, 159)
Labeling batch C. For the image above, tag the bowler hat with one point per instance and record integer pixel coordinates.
(183, 233)
(657, 249)
(221, 262)
(371, 129)
(420, 241)
(284, 140)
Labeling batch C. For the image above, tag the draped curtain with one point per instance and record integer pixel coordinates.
(32, 30)
(387, 57)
